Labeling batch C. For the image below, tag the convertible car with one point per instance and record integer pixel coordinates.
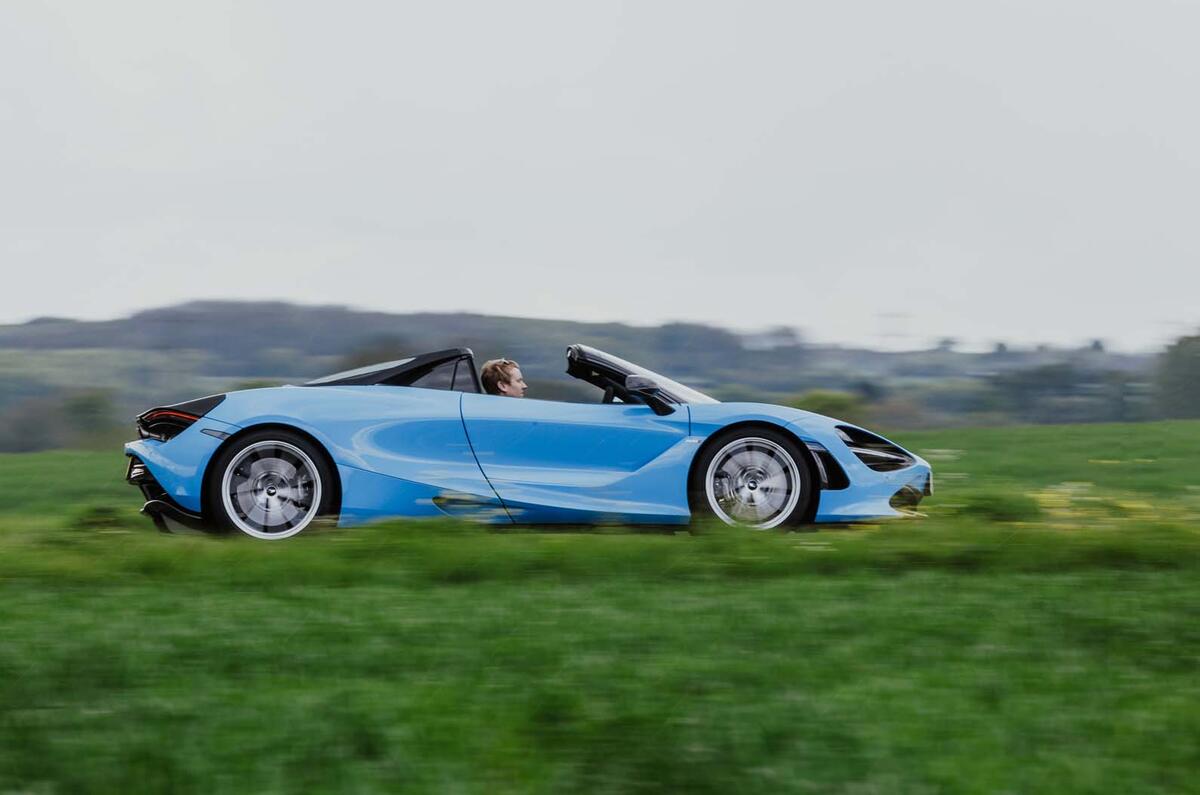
(419, 438)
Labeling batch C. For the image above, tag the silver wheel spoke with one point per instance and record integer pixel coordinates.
(289, 511)
(760, 460)
(776, 481)
(730, 467)
(753, 481)
(258, 467)
(285, 469)
(271, 490)
(257, 515)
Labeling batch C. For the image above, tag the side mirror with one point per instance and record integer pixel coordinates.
(648, 390)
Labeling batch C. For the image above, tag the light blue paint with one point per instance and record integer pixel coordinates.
(404, 451)
(869, 492)
(581, 463)
(178, 465)
(407, 433)
(369, 496)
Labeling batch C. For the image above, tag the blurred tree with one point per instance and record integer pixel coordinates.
(962, 396)
(839, 405)
(691, 347)
(31, 425)
(900, 412)
(255, 383)
(88, 411)
(286, 362)
(1022, 391)
(380, 349)
(1179, 379)
(16, 387)
(1120, 393)
(787, 336)
(775, 337)
(870, 391)
(90, 419)
(736, 393)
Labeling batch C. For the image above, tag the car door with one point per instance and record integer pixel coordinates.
(401, 451)
(570, 462)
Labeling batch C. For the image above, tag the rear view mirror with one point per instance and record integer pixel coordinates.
(648, 390)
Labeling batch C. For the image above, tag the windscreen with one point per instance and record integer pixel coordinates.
(682, 393)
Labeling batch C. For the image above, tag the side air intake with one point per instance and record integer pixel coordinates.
(876, 452)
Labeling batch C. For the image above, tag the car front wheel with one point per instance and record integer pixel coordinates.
(756, 477)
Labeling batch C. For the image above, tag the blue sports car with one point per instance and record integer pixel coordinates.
(417, 437)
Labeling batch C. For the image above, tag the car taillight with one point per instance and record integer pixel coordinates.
(167, 422)
(163, 424)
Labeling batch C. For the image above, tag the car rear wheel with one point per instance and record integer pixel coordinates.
(755, 477)
(270, 485)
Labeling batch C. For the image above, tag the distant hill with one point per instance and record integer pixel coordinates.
(245, 336)
(176, 352)
(240, 334)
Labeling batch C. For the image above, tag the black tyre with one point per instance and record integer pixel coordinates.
(270, 484)
(753, 477)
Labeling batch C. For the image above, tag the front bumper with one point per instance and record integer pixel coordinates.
(879, 496)
(867, 494)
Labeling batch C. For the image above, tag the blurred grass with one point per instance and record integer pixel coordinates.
(1036, 632)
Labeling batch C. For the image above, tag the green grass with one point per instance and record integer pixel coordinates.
(1038, 631)
(1158, 459)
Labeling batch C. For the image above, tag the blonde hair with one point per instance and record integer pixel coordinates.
(495, 372)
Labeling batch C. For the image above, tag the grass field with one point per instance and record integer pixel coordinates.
(1038, 631)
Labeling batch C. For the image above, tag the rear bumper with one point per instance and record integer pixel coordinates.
(167, 515)
(170, 474)
(179, 464)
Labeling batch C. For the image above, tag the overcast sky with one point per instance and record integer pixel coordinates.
(870, 172)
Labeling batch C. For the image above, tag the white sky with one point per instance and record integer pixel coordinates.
(871, 172)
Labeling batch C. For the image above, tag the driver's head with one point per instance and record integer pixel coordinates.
(502, 377)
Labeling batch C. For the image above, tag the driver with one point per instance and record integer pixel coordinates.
(502, 377)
